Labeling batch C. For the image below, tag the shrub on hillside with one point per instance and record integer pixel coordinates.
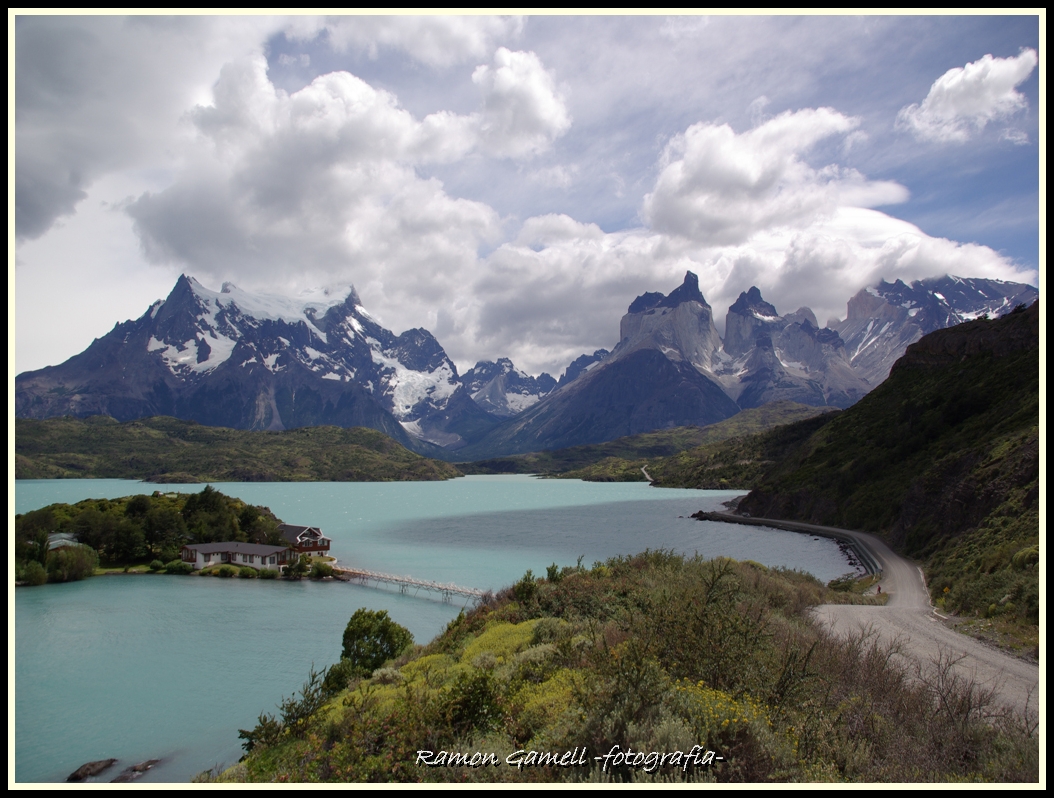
(340, 676)
(371, 638)
(657, 653)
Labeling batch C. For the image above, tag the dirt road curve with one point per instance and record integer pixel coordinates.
(910, 618)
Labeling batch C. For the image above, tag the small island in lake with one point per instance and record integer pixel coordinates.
(207, 532)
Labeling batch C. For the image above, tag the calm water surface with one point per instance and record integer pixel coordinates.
(147, 667)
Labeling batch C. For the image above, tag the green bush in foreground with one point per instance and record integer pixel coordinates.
(34, 574)
(655, 653)
(245, 572)
(320, 570)
(371, 638)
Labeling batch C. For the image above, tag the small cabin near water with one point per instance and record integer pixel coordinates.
(305, 539)
(254, 555)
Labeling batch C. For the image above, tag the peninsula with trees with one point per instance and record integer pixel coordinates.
(205, 532)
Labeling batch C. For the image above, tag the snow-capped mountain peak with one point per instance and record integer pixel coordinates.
(503, 390)
(252, 360)
(884, 319)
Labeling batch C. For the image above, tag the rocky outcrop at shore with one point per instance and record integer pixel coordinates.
(134, 772)
(89, 769)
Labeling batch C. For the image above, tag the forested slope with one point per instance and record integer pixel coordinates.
(942, 459)
(164, 449)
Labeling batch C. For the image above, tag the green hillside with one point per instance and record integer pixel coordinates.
(735, 463)
(620, 460)
(656, 654)
(164, 449)
(942, 459)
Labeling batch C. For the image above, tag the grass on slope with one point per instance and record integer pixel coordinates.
(943, 460)
(654, 653)
(164, 449)
(620, 460)
(736, 463)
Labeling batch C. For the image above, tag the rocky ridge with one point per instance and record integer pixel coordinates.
(251, 361)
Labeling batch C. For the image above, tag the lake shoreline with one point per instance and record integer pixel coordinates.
(151, 644)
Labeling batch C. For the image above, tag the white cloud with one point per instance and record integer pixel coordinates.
(824, 264)
(756, 109)
(99, 94)
(321, 185)
(236, 179)
(303, 59)
(556, 228)
(314, 185)
(522, 110)
(1014, 136)
(857, 139)
(559, 176)
(106, 93)
(556, 291)
(437, 41)
(683, 27)
(738, 210)
(337, 118)
(965, 99)
(560, 288)
(322, 176)
(283, 190)
(720, 187)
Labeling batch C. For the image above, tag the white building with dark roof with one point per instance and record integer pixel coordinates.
(254, 555)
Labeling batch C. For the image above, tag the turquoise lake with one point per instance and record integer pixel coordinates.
(169, 667)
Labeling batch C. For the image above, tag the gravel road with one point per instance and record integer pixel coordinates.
(909, 618)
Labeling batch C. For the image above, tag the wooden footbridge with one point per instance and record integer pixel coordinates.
(406, 583)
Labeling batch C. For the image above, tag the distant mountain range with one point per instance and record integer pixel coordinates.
(252, 361)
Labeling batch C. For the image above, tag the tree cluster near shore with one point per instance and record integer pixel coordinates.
(654, 653)
(133, 530)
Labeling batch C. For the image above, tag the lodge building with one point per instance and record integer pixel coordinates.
(305, 539)
(254, 555)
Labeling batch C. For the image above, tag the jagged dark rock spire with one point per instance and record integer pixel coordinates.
(688, 291)
(752, 300)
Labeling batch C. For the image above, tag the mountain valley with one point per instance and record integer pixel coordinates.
(259, 362)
